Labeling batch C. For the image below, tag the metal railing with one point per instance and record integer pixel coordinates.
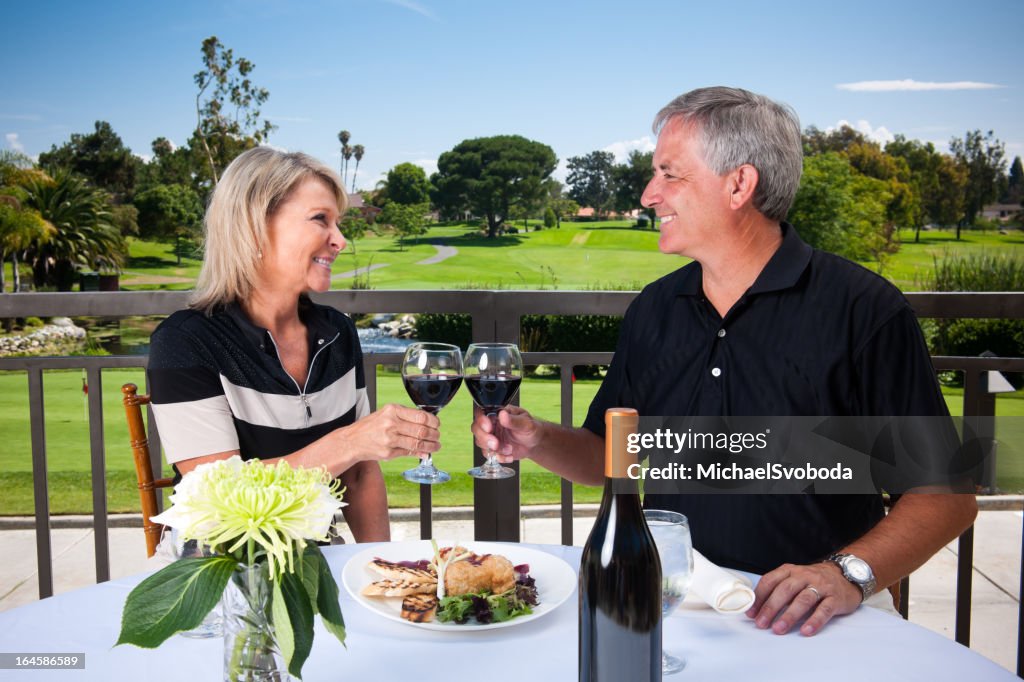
(496, 316)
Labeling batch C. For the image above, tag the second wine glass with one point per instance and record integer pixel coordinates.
(432, 373)
(671, 533)
(493, 374)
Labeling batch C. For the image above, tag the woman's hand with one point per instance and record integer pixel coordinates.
(392, 431)
(518, 433)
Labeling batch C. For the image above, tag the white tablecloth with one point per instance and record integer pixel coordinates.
(867, 645)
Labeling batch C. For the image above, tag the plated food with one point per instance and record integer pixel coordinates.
(455, 585)
(555, 582)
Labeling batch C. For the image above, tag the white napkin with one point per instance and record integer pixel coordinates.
(723, 590)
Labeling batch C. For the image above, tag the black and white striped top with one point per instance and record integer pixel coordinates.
(217, 384)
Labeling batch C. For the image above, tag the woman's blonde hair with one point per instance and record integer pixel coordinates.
(235, 227)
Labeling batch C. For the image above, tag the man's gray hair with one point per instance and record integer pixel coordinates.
(739, 127)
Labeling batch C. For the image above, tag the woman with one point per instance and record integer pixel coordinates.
(254, 367)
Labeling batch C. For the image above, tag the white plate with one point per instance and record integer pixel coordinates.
(555, 579)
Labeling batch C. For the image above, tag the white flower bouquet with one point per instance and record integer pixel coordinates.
(262, 523)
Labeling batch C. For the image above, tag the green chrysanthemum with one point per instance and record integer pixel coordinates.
(248, 509)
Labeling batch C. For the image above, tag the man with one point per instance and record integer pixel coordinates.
(760, 324)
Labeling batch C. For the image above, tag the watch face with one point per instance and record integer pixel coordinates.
(858, 570)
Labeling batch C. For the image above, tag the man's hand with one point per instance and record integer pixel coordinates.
(784, 596)
(517, 433)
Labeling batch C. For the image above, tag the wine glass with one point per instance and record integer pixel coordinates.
(432, 373)
(671, 533)
(493, 374)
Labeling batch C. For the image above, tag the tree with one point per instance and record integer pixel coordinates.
(983, 158)
(83, 234)
(354, 226)
(357, 150)
(169, 165)
(936, 181)
(549, 217)
(406, 183)
(170, 213)
(816, 141)
(1015, 183)
(631, 179)
(20, 225)
(99, 156)
(228, 119)
(343, 137)
(407, 219)
(839, 210)
(489, 175)
(590, 180)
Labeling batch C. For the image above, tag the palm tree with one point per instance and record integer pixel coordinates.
(19, 228)
(343, 137)
(83, 232)
(346, 154)
(358, 151)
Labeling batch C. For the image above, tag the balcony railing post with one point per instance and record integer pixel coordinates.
(496, 514)
(99, 474)
(40, 488)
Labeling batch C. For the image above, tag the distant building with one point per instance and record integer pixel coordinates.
(368, 212)
(1001, 212)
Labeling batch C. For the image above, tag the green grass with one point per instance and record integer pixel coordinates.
(69, 467)
(911, 267)
(575, 256)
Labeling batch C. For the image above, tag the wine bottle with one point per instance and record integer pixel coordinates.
(620, 574)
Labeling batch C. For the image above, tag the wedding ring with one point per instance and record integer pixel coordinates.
(817, 594)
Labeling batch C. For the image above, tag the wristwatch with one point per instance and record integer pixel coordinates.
(857, 571)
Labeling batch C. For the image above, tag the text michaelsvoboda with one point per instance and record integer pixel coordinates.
(773, 471)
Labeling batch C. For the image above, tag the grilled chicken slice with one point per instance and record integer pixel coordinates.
(396, 571)
(419, 608)
(399, 588)
(491, 572)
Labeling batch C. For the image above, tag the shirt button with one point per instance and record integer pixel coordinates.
(721, 333)
(715, 372)
(320, 341)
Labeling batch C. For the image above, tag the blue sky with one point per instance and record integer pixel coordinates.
(412, 78)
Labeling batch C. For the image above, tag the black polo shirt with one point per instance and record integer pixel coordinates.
(815, 335)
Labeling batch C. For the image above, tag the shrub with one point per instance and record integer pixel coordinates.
(453, 328)
(971, 337)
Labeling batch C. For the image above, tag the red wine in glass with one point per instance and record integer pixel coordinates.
(432, 373)
(493, 374)
(431, 392)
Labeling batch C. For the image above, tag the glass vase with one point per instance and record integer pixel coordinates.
(251, 651)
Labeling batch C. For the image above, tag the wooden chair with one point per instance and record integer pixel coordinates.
(148, 485)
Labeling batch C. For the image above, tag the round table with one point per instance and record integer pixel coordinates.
(866, 645)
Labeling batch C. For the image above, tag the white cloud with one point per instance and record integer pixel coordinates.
(911, 85)
(429, 166)
(414, 6)
(622, 149)
(881, 134)
(14, 143)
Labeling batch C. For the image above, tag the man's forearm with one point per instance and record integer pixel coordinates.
(918, 526)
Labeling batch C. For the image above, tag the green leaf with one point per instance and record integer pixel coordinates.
(175, 598)
(327, 599)
(293, 621)
(309, 569)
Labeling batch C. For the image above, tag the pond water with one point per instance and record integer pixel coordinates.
(130, 336)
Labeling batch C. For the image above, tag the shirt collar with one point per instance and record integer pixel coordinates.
(782, 271)
(311, 315)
